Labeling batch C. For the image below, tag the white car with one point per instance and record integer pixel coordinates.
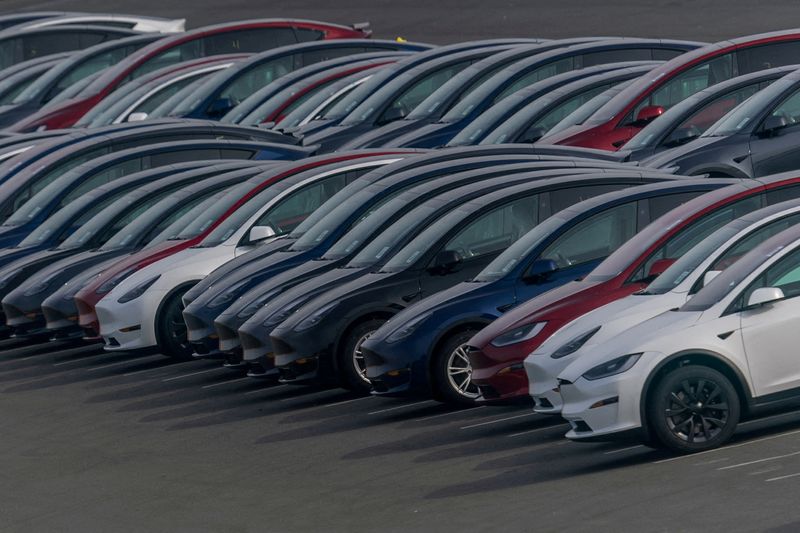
(144, 310)
(671, 289)
(134, 22)
(686, 377)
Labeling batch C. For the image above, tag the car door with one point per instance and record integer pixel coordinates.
(770, 332)
(775, 150)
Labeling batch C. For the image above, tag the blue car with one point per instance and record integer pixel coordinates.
(17, 195)
(536, 68)
(420, 351)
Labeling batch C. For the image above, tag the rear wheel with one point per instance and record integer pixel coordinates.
(452, 371)
(693, 408)
(352, 367)
(171, 328)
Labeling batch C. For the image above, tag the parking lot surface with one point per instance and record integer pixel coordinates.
(120, 442)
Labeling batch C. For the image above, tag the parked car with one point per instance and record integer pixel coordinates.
(680, 282)
(496, 358)
(677, 379)
(16, 78)
(132, 22)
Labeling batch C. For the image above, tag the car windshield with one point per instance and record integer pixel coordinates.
(119, 210)
(423, 242)
(353, 98)
(388, 239)
(86, 205)
(179, 229)
(337, 211)
(580, 115)
(519, 250)
(743, 115)
(237, 219)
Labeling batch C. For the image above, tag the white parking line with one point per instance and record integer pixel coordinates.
(223, 383)
(404, 406)
(166, 366)
(450, 413)
(345, 402)
(701, 463)
(266, 389)
(612, 452)
(763, 460)
(496, 421)
(79, 360)
(787, 476)
(215, 369)
(764, 471)
(118, 363)
(679, 457)
(779, 415)
(537, 430)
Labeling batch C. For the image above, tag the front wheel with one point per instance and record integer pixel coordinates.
(452, 371)
(352, 367)
(693, 408)
(171, 328)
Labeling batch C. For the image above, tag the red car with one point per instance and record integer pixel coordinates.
(236, 37)
(89, 295)
(498, 351)
(644, 100)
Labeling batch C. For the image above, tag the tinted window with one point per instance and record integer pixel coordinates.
(661, 205)
(176, 54)
(254, 79)
(324, 54)
(595, 237)
(784, 274)
(304, 35)
(541, 73)
(89, 67)
(159, 97)
(788, 111)
(253, 40)
(612, 56)
(768, 56)
(563, 198)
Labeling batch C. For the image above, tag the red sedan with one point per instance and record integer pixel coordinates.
(237, 37)
(616, 122)
(498, 351)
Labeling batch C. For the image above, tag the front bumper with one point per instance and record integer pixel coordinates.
(129, 326)
(498, 382)
(200, 333)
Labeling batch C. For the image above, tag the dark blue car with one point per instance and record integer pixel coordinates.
(421, 349)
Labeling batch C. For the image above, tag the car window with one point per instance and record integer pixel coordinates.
(256, 78)
(90, 66)
(594, 238)
(755, 58)
(252, 40)
(543, 72)
(176, 54)
(687, 83)
(788, 111)
(783, 274)
(544, 123)
(563, 198)
(694, 232)
(305, 35)
(164, 92)
(755, 238)
(497, 229)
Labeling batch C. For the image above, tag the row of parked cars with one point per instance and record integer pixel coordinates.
(603, 227)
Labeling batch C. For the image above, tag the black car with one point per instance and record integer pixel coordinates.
(533, 109)
(687, 120)
(138, 222)
(757, 138)
(272, 282)
(72, 70)
(317, 342)
(526, 72)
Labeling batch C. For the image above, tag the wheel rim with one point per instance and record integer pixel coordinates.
(459, 373)
(697, 410)
(359, 363)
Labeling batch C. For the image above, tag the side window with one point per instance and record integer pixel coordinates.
(784, 274)
(90, 39)
(563, 198)
(87, 68)
(661, 205)
(181, 156)
(497, 229)
(164, 92)
(696, 231)
(107, 175)
(304, 35)
(788, 111)
(176, 54)
(612, 56)
(771, 55)
(421, 89)
(256, 78)
(324, 54)
(544, 123)
(293, 209)
(688, 83)
(663, 54)
(547, 71)
(131, 214)
(783, 194)
(89, 213)
(255, 40)
(736, 251)
(594, 238)
(34, 46)
(700, 120)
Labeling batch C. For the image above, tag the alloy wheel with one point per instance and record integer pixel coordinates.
(697, 410)
(459, 373)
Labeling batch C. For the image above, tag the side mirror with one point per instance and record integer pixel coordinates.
(540, 270)
(648, 114)
(764, 295)
(446, 261)
(658, 268)
(219, 107)
(533, 135)
(772, 124)
(711, 274)
(259, 233)
(137, 117)
(681, 136)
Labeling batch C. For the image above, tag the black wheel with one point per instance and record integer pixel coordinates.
(171, 329)
(352, 368)
(693, 408)
(452, 372)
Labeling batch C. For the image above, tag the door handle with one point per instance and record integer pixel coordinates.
(740, 158)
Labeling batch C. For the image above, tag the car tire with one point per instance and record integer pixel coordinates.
(171, 329)
(693, 408)
(452, 373)
(351, 367)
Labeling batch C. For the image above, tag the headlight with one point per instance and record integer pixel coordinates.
(5, 280)
(38, 288)
(575, 344)
(522, 333)
(253, 307)
(115, 280)
(138, 290)
(408, 328)
(227, 296)
(613, 367)
(316, 317)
